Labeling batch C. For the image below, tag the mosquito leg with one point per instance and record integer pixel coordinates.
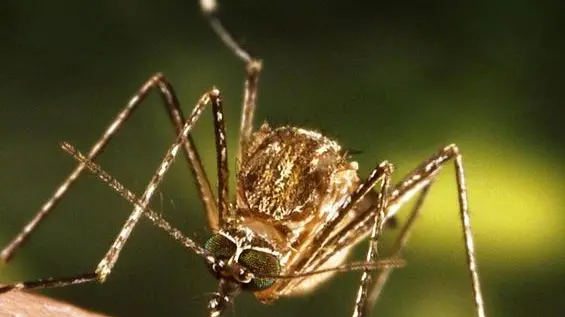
(420, 179)
(221, 157)
(129, 196)
(372, 252)
(253, 69)
(399, 244)
(453, 151)
(202, 183)
(105, 266)
(154, 217)
(359, 228)
(50, 282)
(417, 181)
(210, 10)
(172, 106)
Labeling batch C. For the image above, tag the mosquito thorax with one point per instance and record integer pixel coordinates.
(291, 174)
(245, 258)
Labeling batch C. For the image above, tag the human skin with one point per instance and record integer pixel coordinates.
(27, 304)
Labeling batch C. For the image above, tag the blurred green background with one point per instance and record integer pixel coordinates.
(393, 80)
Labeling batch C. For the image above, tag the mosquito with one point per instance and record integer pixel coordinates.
(299, 206)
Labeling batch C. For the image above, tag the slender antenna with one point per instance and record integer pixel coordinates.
(210, 10)
(125, 193)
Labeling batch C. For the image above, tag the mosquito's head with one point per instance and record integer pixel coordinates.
(244, 261)
(245, 258)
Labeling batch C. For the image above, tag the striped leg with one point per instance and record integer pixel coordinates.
(420, 180)
(172, 106)
(105, 266)
(372, 252)
(209, 9)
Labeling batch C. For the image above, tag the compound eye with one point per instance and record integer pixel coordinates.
(260, 264)
(220, 247)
